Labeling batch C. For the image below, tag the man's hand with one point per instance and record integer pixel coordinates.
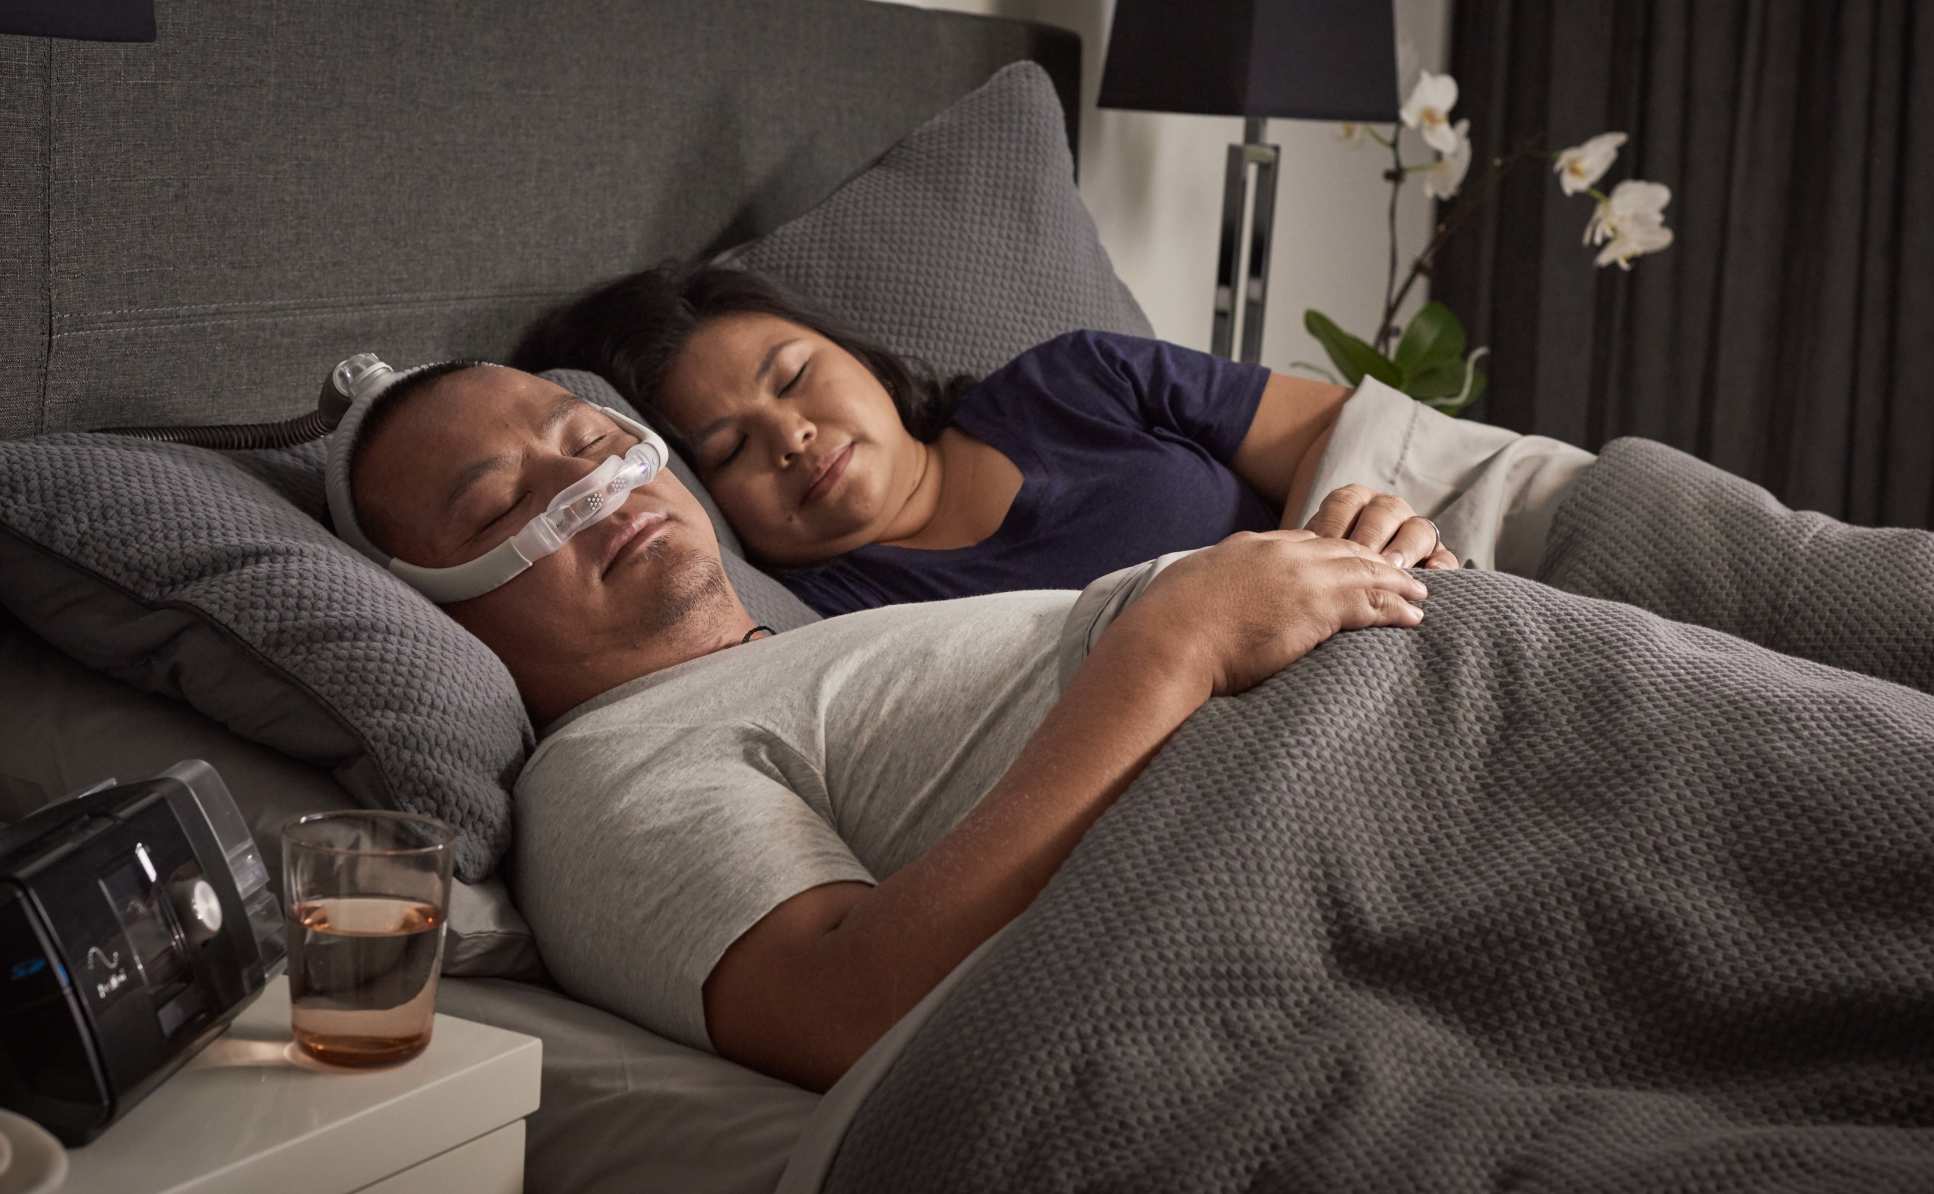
(1382, 522)
(806, 990)
(1239, 612)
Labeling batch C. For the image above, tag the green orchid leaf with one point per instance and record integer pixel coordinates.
(1442, 380)
(1434, 336)
(1353, 357)
(1453, 405)
(1437, 389)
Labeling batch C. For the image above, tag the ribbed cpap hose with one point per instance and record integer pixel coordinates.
(236, 436)
(345, 380)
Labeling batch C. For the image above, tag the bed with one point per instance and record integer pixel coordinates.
(1714, 908)
(196, 228)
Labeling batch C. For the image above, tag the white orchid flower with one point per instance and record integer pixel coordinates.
(1634, 240)
(1446, 175)
(1428, 110)
(1408, 60)
(1581, 166)
(1631, 204)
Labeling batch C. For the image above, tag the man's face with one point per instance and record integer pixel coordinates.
(464, 464)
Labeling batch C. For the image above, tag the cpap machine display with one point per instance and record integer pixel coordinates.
(354, 387)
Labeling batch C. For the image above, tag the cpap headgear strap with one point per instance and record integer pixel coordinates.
(361, 381)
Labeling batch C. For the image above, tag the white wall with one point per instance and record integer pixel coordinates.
(1154, 184)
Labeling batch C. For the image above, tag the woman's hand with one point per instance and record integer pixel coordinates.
(1237, 613)
(1382, 522)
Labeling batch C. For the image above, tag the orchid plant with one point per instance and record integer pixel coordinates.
(1431, 361)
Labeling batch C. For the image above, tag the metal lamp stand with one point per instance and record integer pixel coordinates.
(1261, 200)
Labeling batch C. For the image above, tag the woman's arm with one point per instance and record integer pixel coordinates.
(1286, 438)
(1279, 456)
(809, 987)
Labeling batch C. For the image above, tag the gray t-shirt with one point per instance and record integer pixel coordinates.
(658, 822)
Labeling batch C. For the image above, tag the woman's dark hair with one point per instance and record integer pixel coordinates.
(629, 332)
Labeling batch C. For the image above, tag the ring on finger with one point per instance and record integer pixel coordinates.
(1436, 537)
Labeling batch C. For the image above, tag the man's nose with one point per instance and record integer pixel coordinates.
(558, 473)
(567, 469)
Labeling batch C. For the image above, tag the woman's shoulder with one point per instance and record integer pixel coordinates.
(1061, 385)
(1063, 368)
(1086, 345)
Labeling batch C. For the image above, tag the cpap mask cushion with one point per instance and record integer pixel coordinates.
(357, 384)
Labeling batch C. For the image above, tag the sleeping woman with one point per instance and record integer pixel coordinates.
(862, 480)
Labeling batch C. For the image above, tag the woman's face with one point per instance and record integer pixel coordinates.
(795, 437)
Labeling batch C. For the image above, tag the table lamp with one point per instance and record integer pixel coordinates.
(1303, 59)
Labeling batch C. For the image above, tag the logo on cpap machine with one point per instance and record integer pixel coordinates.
(99, 960)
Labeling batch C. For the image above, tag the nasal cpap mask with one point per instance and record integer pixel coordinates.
(361, 380)
(583, 504)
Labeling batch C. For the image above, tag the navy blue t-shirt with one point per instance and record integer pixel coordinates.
(1123, 445)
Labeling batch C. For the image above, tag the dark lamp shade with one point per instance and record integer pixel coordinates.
(1308, 59)
(87, 20)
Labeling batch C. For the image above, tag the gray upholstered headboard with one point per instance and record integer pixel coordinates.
(196, 229)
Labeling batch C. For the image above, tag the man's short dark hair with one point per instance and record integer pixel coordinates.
(416, 382)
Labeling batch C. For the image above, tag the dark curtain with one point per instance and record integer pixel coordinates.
(1788, 333)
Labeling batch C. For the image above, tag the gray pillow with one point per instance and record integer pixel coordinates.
(67, 728)
(209, 577)
(184, 572)
(966, 243)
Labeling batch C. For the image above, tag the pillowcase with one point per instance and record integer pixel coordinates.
(209, 577)
(67, 728)
(183, 572)
(965, 244)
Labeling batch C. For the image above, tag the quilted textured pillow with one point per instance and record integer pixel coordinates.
(966, 244)
(68, 728)
(185, 572)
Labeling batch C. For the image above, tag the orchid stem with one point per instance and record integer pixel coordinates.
(1397, 175)
(1392, 301)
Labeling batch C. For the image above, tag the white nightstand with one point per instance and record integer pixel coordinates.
(250, 1115)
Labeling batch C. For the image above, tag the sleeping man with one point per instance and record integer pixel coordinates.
(1547, 845)
(772, 847)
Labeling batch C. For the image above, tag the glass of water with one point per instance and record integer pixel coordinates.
(366, 895)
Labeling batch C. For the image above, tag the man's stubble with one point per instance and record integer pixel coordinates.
(695, 584)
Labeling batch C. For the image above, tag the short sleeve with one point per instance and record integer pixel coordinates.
(1157, 385)
(639, 864)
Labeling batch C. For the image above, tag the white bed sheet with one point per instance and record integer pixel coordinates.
(623, 1109)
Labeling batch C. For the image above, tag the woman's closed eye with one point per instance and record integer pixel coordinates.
(738, 445)
(795, 379)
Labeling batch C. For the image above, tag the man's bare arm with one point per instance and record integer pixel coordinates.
(814, 983)
(855, 958)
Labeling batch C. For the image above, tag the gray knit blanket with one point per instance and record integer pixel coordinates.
(1562, 891)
